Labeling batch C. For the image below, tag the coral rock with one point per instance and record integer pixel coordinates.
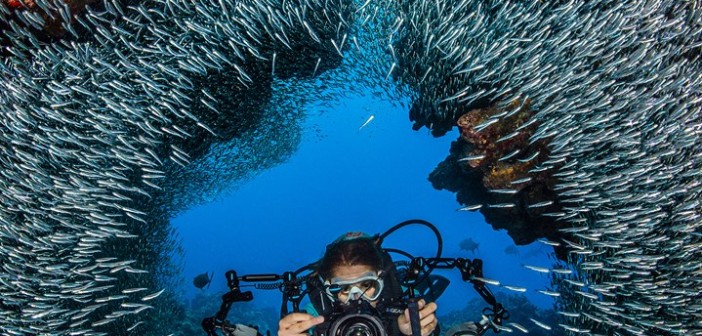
(495, 162)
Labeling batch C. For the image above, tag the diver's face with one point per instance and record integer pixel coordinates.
(346, 272)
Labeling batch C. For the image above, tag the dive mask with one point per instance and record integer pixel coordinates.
(368, 286)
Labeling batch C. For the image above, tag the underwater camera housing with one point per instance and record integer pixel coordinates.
(358, 317)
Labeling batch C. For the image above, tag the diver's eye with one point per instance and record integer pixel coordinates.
(365, 285)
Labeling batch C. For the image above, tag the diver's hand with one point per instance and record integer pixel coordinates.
(297, 324)
(427, 319)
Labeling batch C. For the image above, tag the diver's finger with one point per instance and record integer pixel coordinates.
(429, 326)
(292, 319)
(286, 328)
(428, 309)
(298, 317)
(306, 324)
(424, 311)
(427, 320)
(420, 306)
(427, 330)
(288, 333)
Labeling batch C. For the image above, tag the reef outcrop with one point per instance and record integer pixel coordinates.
(499, 166)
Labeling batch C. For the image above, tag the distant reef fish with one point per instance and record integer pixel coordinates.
(202, 280)
(512, 249)
(469, 244)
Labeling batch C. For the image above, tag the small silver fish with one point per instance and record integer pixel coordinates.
(487, 281)
(152, 296)
(519, 327)
(540, 204)
(537, 268)
(540, 324)
(550, 293)
(501, 205)
(470, 207)
(472, 158)
(515, 288)
(367, 122)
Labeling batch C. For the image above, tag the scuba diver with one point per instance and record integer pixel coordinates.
(355, 268)
(356, 289)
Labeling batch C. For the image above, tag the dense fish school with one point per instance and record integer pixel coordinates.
(616, 90)
(106, 134)
(141, 110)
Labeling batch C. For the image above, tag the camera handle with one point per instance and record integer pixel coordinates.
(413, 307)
(420, 268)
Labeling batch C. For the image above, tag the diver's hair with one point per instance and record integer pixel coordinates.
(358, 251)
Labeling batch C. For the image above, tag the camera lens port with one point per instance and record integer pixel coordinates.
(358, 325)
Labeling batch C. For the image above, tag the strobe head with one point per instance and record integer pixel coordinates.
(357, 325)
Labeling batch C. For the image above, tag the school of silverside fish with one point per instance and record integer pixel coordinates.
(615, 88)
(104, 134)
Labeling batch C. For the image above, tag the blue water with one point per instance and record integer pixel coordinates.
(343, 178)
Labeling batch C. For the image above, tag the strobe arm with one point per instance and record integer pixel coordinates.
(491, 317)
(470, 270)
(292, 287)
(235, 294)
(292, 292)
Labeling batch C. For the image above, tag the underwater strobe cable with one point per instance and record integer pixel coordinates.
(439, 240)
